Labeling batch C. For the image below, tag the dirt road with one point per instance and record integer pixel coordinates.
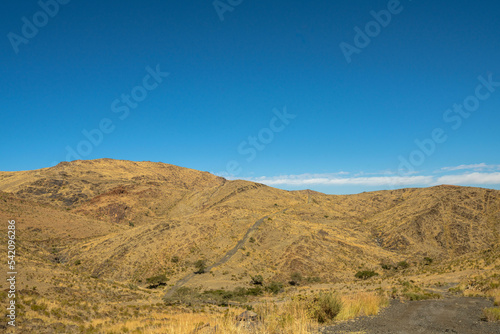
(226, 257)
(451, 314)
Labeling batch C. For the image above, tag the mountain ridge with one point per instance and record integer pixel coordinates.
(143, 214)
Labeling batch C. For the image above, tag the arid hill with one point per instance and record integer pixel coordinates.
(128, 221)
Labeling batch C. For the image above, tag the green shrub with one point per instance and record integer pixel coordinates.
(219, 297)
(421, 295)
(78, 262)
(219, 294)
(427, 260)
(175, 259)
(492, 314)
(274, 287)
(252, 240)
(386, 266)
(365, 274)
(38, 307)
(157, 280)
(313, 279)
(200, 266)
(257, 279)
(325, 307)
(295, 278)
(403, 265)
(255, 291)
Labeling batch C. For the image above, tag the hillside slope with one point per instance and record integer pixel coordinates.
(144, 219)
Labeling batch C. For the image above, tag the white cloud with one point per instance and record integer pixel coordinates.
(470, 178)
(342, 179)
(308, 179)
(476, 167)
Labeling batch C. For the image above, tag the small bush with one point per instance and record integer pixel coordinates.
(38, 307)
(492, 314)
(256, 291)
(365, 274)
(295, 278)
(78, 262)
(157, 280)
(361, 304)
(257, 280)
(403, 265)
(313, 279)
(386, 266)
(427, 260)
(252, 240)
(325, 307)
(175, 259)
(188, 296)
(200, 266)
(421, 295)
(274, 287)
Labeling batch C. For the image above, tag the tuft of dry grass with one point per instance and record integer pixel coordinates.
(492, 314)
(285, 317)
(495, 294)
(289, 317)
(361, 304)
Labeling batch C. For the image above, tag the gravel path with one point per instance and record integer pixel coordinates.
(449, 315)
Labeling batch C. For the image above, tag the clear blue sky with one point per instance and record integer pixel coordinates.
(354, 121)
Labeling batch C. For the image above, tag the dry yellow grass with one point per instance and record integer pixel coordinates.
(495, 294)
(95, 231)
(275, 318)
(286, 317)
(361, 304)
(492, 314)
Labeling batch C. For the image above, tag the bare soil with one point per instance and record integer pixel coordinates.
(452, 314)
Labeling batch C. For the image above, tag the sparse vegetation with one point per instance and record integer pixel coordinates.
(257, 280)
(361, 304)
(313, 279)
(200, 266)
(156, 281)
(411, 291)
(386, 266)
(325, 307)
(365, 274)
(190, 296)
(295, 278)
(169, 247)
(403, 265)
(492, 314)
(274, 287)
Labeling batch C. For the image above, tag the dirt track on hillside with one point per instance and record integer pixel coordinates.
(452, 314)
(226, 257)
